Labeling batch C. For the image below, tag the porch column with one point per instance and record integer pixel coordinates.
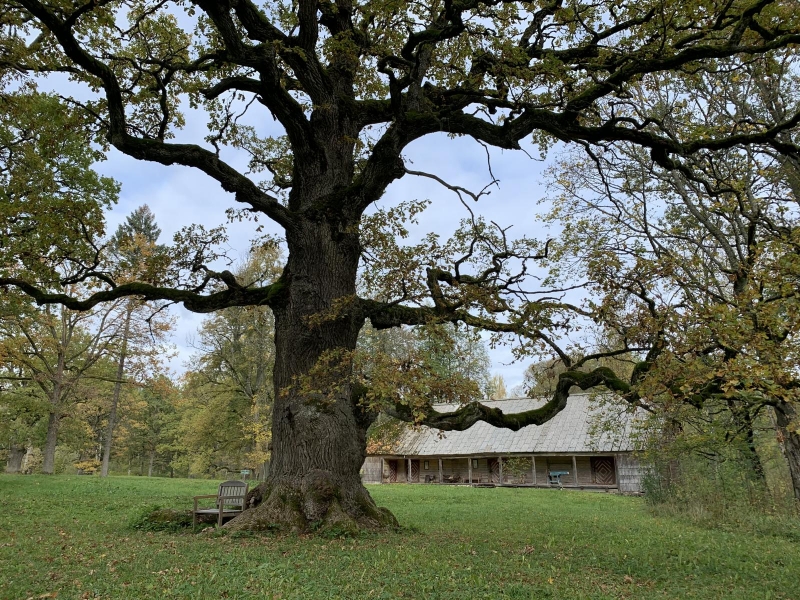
(408, 470)
(469, 469)
(500, 462)
(533, 467)
(380, 480)
(440, 471)
(574, 471)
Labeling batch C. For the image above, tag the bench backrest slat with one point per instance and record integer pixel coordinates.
(232, 493)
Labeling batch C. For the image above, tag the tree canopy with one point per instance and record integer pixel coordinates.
(699, 264)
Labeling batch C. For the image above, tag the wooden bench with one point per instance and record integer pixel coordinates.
(229, 501)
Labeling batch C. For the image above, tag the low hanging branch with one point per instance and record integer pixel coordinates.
(196, 302)
(466, 416)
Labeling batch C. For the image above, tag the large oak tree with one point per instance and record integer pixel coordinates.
(352, 84)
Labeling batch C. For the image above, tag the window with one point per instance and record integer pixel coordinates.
(474, 463)
(425, 465)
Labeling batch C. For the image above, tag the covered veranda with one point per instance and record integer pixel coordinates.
(568, 451)
(578, 471)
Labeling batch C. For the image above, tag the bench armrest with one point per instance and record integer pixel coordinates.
(196, 498)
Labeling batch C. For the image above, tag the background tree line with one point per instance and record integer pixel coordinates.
(692, 274)
(121, 411)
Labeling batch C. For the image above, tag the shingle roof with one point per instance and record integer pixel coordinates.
(568, 431)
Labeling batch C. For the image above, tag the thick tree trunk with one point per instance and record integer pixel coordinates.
(318, 429)
(112, 415)
(150, 464)
(49, 459)
(790, 439)
(757, 467)
(15, 456)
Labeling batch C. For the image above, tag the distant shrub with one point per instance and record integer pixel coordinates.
(656, 487)
(87, 467)
(64, 461)
(517, 467)
(720, 493)
(33, 461)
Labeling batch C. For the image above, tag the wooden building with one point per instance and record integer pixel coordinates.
(566, 451)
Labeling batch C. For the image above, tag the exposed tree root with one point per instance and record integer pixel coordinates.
(316, 502)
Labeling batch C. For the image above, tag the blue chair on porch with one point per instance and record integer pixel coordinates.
(554, 477)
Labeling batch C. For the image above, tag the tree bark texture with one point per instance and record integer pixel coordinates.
(318, 439)
(15, 456)
(787, 427)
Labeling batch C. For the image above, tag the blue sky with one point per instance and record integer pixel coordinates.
(180, 196)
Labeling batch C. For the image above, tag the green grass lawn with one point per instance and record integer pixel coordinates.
(70, 536)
